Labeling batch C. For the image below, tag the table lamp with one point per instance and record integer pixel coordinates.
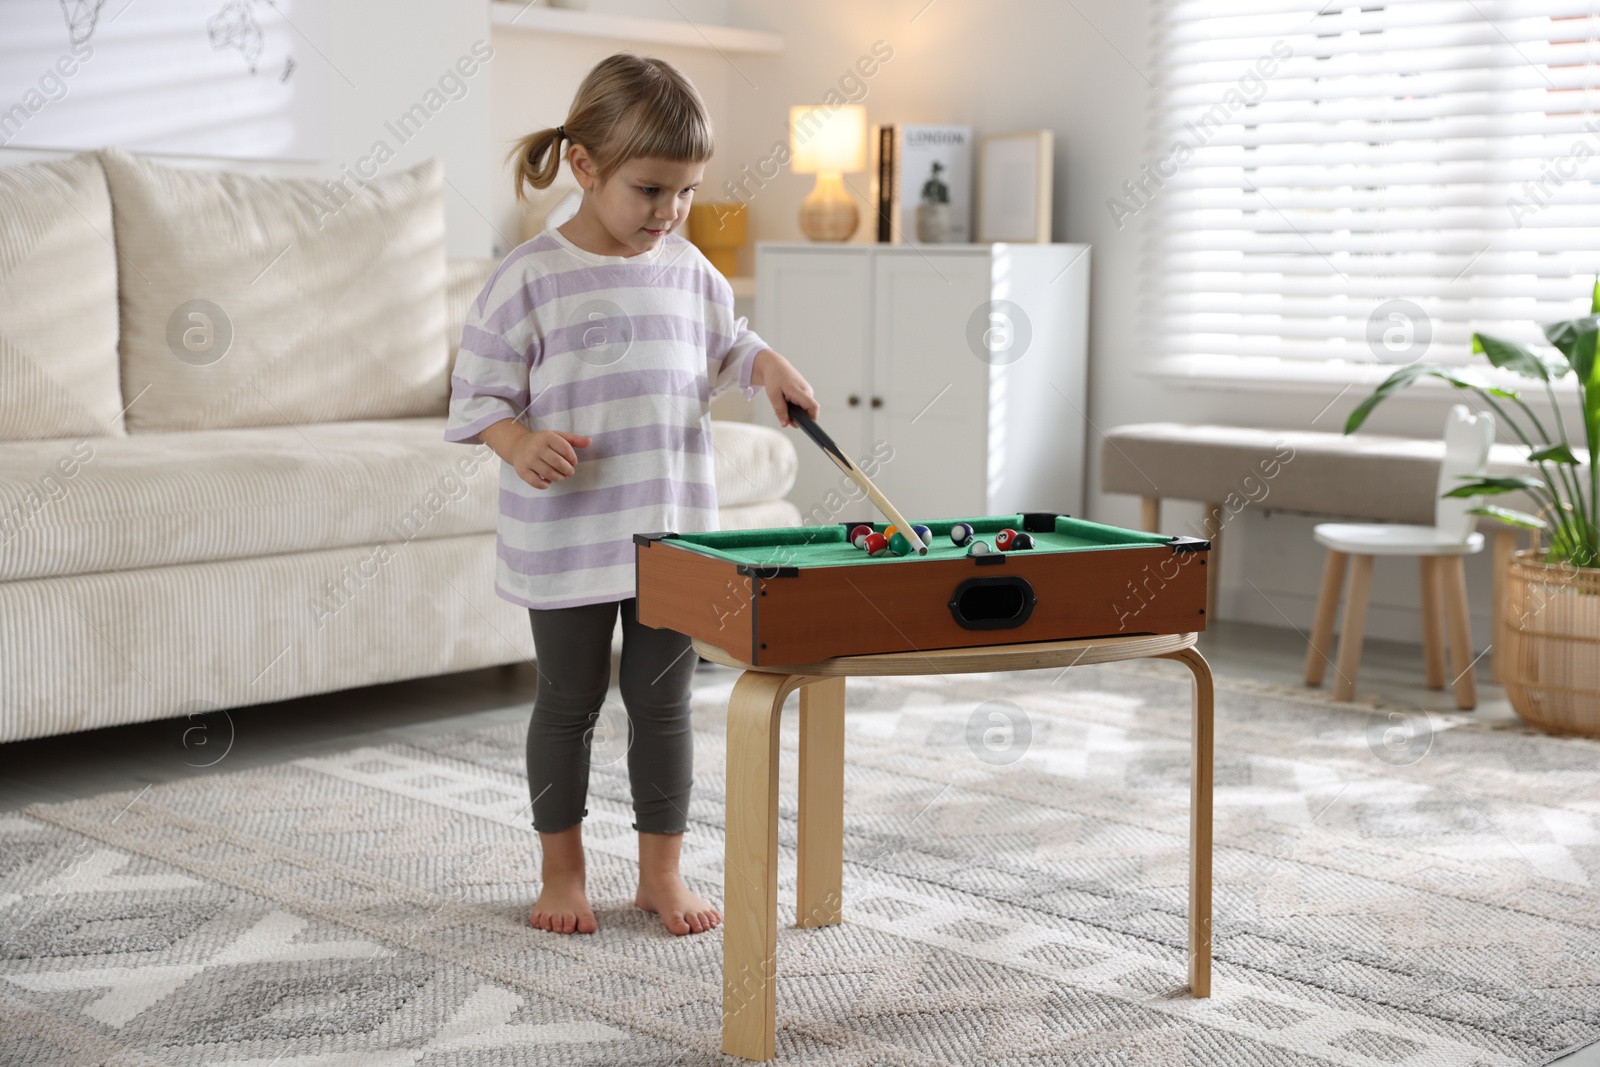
(828, 141)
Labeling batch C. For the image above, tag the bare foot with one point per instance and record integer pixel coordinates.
(682, 910)
(562, 907)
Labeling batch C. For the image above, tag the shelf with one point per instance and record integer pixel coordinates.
(535, 18)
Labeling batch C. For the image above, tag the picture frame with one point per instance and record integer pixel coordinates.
(1014, 186)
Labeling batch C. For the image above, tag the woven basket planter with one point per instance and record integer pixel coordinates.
(1552, 645)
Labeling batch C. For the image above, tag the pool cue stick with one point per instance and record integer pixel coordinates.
(833, 452)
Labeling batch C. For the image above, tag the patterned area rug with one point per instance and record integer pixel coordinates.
(1391, 889)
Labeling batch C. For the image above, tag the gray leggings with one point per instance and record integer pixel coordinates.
(572, 647)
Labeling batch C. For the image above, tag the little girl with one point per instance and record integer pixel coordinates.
(588, 364)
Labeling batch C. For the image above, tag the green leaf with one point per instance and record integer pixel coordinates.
(1572, 541)
(1594, 301)
(1519, 358)
(1510, 517)
(1576, 340)
(1553, 454)
(1492, 486)
(1460, 377)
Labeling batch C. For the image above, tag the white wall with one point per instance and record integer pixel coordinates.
(382, 58)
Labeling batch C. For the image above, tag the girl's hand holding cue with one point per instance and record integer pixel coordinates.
(784, 385)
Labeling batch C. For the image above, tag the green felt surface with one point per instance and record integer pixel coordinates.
(826, 546)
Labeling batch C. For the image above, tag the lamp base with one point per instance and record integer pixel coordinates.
(829, 213)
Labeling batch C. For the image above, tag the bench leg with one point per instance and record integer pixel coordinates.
(1503, 545)
(1150, 514)
(750, 866)
(1354, 628)
(819, 892)
(1453, 575)
(1214, 513)
(1202, 743)
(1320, 652)
(1432, 623)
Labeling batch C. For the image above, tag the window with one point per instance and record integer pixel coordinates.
(1368, 184)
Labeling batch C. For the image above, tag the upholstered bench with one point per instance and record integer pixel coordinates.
(1230, 468)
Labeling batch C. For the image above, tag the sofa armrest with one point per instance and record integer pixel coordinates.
(464, 279)
(754, 463)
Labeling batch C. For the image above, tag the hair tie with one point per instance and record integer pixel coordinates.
(560, 134)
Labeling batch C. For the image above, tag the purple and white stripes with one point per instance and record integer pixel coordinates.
(627, 351)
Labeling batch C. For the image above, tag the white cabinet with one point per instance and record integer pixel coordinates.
(952, 374)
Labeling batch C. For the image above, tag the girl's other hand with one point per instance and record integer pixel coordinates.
(545, 457)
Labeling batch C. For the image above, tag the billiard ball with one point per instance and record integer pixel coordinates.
(978, 547)
(961, 533)
(924, 534)
(890, 531)
(1004, 538)
(876, 544)
(900, 544)
(858, 535)
(1021, 542)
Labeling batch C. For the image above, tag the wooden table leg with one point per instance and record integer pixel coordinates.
(1453, 576)
(1432, 623)
(1202, 741)
(1504, 544)
(1150, 514)
(819, 893)
(1354, 629)
(750, 865)
(1320, 652)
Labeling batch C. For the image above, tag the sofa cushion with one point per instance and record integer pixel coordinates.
(58, 302)
(148, 500)
(754, 463)
(251, 301)
(157, 499)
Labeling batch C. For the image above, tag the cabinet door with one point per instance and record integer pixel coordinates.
(813, 306)
(934, 390)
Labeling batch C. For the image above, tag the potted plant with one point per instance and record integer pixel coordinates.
(1551, 643)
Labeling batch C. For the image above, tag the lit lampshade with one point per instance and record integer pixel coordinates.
(828, 142)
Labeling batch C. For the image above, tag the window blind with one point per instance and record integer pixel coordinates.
(1367, 183)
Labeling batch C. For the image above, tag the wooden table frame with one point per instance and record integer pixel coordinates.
(750, 870)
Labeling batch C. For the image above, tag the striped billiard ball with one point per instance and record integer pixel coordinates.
(876, 544)
(858, 536)
(961, 533)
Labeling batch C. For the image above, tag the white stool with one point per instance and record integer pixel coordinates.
(1441, 550)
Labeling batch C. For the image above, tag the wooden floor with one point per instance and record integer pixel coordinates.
(131, 757)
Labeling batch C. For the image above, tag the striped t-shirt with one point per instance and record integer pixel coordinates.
(626, 350)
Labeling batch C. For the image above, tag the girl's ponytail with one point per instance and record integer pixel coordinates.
(538, 157)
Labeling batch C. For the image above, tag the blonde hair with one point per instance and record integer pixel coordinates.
(627, 107)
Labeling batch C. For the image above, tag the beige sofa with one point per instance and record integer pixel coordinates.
(223, 478)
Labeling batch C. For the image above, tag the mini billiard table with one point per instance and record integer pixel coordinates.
(804, 594)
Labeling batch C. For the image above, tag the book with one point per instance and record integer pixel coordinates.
(922, 165)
